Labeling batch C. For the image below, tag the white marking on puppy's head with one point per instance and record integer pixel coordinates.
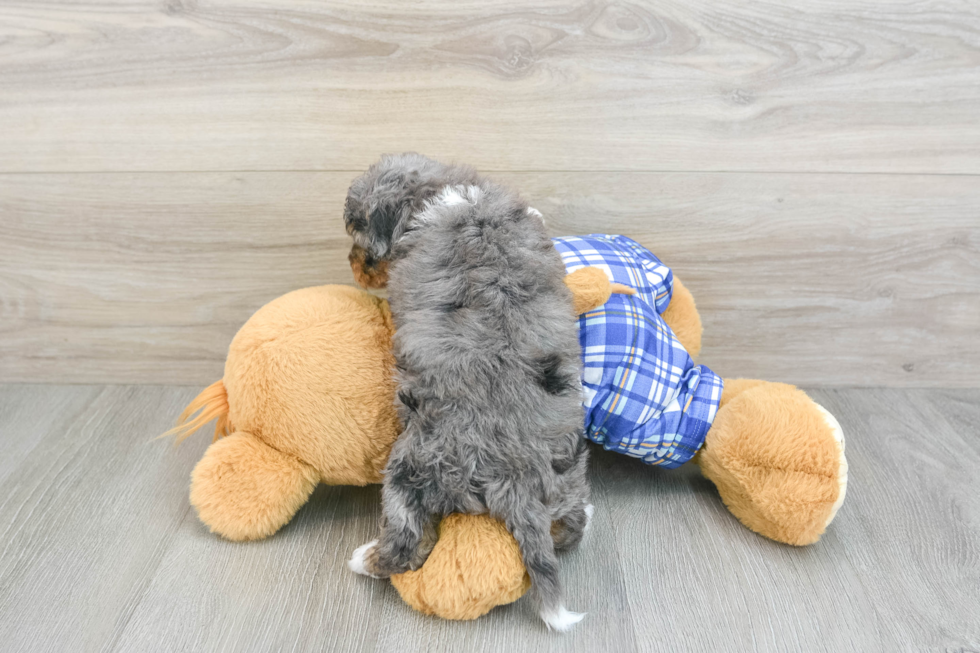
(453, 195)
(448, 196)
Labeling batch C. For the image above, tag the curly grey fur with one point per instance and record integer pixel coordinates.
(488, 366)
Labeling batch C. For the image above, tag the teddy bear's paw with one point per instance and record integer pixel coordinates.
(561, 619)
(357, 560)
(838, 433)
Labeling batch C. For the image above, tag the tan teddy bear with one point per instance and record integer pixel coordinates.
(307, 397)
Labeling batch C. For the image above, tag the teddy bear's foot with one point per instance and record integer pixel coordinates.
(243, 489)
(777, 459)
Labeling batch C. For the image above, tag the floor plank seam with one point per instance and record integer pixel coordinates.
(111, 645)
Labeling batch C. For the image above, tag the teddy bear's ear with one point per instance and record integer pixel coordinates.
(243, 489)
(591, 289)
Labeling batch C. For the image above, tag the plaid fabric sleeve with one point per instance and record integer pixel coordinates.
(643, 394)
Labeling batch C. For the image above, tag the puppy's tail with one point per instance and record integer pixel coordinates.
(532, 530)
(210, 404)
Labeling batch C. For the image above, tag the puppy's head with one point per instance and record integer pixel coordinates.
(380, 204)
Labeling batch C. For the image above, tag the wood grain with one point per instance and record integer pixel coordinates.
(806, 278)
(161, 85)
(87, 514)
(99, 550)
(916, 502)
(36, 413)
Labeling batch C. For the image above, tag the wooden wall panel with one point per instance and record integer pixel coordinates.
(801, 85)
(819, 279)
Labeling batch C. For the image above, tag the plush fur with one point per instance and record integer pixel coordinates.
(456, 582)
(246, 490)
(488, 367)
(682, 316)
(294, 424)
(278, 396)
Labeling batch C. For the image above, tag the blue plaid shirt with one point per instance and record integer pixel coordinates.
(644, 396)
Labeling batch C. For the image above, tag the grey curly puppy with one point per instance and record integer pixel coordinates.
(488, 367)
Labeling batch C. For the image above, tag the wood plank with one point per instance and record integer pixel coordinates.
(910, 525)
(699, 580)
(87, 515)
(858, 86)
(28, 414)
(812, 279)
(101, 552)
(896, 570)
(147, 277)
(959, 409)
(289, 592)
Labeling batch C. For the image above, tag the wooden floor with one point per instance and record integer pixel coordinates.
(100, 551)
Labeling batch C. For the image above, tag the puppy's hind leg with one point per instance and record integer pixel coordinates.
(408, 534)
(530, 525)
(569, 530)
(575, 512)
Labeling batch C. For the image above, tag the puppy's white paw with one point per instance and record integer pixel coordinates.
(356, 562)
(589, 511)
(562, 620)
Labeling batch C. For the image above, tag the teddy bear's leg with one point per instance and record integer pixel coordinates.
(777, 459)
(243, 489)
(732, 388)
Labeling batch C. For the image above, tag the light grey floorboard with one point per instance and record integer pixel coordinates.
(88, 513)
(697, 580)
(100, 551)
(289, 592)
(28, 413)
(906, 527)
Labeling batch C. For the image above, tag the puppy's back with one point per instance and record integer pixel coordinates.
(477, 290)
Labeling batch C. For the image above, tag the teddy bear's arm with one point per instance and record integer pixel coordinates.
(591, 289)
(683, 319)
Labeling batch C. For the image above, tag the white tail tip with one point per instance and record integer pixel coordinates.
(562, 620)
(356, 562)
